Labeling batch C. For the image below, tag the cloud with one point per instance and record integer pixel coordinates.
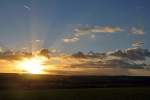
(137, 31)
(27, 7)
(122, 61)
(107, 29)
(132, 53)
(71, 40)
(96, 29)
(137, 43)
(90, 30)
(93, 36)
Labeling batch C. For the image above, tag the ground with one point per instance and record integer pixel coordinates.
(128, 93)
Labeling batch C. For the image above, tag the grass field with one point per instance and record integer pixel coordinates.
(136, 93)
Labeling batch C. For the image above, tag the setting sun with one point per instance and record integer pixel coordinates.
(32, 65)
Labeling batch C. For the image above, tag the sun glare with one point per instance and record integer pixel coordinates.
(34, 65)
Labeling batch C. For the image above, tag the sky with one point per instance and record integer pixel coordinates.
(75, 25)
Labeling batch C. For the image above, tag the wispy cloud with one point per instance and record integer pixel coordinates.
(93, 36)
(137, 31)
(96, 29)
(71, 40)
(27, 7)
(93, 31)
(90, 30)
(137, 43)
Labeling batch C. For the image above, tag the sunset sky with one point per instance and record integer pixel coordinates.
(117, 29)
(75, 25)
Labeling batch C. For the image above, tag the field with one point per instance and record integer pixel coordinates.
(59, 87)
(79, 94)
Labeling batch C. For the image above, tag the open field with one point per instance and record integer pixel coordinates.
(46, 82)
(59, 87)
(78, 94)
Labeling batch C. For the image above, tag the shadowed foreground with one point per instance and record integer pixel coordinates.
(79, 94)
(47, 82)
(59, 87)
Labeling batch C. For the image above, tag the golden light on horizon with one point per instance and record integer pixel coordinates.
(34, 65)
(37, 64)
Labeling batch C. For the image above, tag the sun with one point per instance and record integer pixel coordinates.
(34, 65)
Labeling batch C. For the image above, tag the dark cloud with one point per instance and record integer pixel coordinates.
(133, 53)
(125, 59)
